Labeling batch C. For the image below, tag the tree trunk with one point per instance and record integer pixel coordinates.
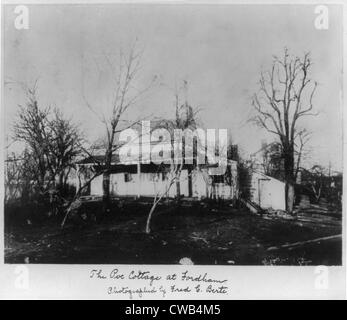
(106, 181)
(190, 182)
(178, 189)
(148, 223)
(289, 177)
(290, 195)
(106, 191)
(61, 186)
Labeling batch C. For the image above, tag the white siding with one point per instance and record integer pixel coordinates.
(199, 184)
(96, 186)
(150, 184)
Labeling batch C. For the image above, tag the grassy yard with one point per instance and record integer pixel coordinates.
(210, 235)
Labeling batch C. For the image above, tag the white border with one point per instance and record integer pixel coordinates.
(260, 282)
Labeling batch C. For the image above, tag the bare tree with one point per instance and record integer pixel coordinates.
(65, 146)
(185, 118)
(125, 95)
(285, 96)
(52, 142)
(31, 127)
(172, 176)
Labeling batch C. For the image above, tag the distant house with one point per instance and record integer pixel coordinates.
(267, 192)
(265, 188)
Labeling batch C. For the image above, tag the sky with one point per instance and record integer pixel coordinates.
(219, 50)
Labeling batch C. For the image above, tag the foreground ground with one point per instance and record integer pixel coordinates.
(206, 236)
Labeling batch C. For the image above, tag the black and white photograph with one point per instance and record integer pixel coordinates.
(178, 133)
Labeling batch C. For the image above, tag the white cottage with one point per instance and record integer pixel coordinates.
(149, 180)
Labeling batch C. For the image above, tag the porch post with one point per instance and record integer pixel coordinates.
(138, 179)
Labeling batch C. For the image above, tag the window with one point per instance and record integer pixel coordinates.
(218, 178)
(164, 176)
(128, 177)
